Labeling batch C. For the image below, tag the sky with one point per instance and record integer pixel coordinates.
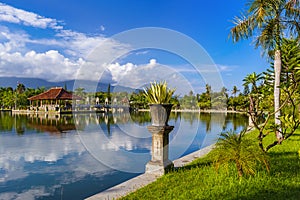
(98, 40)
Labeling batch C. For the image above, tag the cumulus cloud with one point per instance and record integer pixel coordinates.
(139, 76)
(118, 71)
(55, 59)
(81, 45)
(18, 16)
(50, 65)
(73, 55)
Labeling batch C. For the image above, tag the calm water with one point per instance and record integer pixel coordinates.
(74, 157)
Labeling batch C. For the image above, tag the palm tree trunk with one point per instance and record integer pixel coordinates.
(239, 168)
(277, 69)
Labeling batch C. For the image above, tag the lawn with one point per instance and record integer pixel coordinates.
(199, 180)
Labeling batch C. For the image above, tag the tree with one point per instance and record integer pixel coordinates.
(20, 88)
(263, 110)
(236, 148)
(81, 93)
(252, 80)
(234, 91)
(270, 20)
(246, 90)
(290, 84)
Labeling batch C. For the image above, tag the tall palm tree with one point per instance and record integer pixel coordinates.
(20, 88)
(235, 90)
(252, 79)
(270, 21)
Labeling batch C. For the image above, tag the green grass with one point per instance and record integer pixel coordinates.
(199, 180)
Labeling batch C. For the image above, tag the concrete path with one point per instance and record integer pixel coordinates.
(140, 181)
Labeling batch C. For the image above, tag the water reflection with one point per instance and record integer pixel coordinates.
(52, 157)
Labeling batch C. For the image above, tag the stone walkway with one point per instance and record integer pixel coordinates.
(140, 181)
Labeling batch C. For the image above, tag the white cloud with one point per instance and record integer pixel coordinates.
(102, 28)
(152, 62)
(138, 76)
(225, 68)
(12, 41)
(18, 16)
(74, 55)
(82, 45)
(118, 71)
(50, 65)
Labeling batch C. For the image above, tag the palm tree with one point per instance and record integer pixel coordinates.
(207, 89)
(234, 91)
(237, 149)
(20, 88)
(270, 20)
(252, 79)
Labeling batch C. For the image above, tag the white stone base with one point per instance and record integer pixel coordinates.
(158, 168)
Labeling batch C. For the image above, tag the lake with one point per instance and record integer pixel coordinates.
(73, 157)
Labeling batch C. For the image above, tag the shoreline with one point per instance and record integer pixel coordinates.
(142, 180)
(199, 111)
(100, 111)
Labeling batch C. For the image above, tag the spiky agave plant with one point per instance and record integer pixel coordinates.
(158, 93)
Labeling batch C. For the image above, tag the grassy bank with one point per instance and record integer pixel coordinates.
(199, 180)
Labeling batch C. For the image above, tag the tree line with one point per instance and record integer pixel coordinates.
(17, 98)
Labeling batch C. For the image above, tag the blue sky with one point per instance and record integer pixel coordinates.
(53, 39)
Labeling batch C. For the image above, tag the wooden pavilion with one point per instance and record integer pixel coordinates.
(52, 99)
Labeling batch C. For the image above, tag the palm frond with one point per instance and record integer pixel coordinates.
(243, 28)
(243, 152)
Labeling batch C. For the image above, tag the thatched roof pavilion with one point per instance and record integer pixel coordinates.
(53, 97)
(57, 93)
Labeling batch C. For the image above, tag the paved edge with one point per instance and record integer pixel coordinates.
(142, 180)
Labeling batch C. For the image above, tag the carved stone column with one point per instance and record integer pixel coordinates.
(160, 150)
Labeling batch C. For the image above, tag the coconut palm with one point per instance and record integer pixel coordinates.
(252, 79)
(234, 91)
(270, 21)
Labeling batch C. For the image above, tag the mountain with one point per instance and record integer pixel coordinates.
(28, 82)
(37, 82)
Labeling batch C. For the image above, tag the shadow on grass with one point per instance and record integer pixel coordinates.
(193, 165)
(273, 191)
(283, 181)
(287, 163)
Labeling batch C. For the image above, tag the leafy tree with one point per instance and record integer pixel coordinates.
(290, 83)
(81, 93)
(219, 100)
(204, 101)
(138, 100)
(270, 20)
(8, 98)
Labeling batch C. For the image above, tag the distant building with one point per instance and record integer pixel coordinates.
(52, 99)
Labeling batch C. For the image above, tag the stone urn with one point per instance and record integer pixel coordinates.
(160, 114)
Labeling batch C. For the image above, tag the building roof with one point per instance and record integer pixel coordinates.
(55, 93)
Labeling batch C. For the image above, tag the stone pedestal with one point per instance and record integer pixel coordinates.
(160, 150)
